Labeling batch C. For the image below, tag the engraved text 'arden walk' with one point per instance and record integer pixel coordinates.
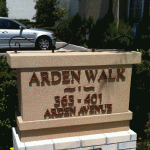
(67, 101)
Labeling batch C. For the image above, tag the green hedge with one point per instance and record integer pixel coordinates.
(3, 9)
(103, 34)
(8, 103)
(26, 22)
(74, 30)
(139, 99)
(118, 37)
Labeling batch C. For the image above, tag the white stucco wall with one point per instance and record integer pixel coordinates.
(74, 8)
(71, 5)
(21, 9)
(116, 10)
(24, 9)
(98, 8)
(65, 4)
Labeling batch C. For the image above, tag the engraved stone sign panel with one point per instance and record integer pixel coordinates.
(49, 93)
(72, 94)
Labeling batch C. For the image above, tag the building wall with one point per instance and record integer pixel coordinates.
(137, 8)
(98, 8)
(94, 8)
(21, 9)
(104, 8)
(132, 8)
(115, 9)
(74, 8)
(65, 4)
(24, 9)
(82, 8)
(124, 8)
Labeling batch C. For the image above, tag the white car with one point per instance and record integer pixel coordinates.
(13, 33)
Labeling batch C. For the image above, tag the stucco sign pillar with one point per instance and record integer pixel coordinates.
(73, 94)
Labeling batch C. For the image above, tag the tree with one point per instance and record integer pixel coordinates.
(48, 12)
(118, 37)
(3, 9)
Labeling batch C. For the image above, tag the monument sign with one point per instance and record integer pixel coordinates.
(72, 94)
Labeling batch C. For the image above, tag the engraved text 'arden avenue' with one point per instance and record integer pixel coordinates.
(67, 101)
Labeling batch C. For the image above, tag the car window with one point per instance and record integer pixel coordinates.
(8, 24)
(20, 24)
(2, 24)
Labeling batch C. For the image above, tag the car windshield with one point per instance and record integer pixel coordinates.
(19, 23)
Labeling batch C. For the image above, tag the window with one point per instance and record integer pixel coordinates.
(13, 25)
(3, 24)
(8, 24)
(137, 7)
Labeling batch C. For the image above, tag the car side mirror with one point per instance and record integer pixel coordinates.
(21, 27)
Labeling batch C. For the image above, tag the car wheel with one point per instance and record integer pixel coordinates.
(43, 43)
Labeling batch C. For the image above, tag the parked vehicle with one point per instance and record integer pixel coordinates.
(23, 36)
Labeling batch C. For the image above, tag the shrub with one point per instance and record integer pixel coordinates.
(144, 41)
(88, 24)
(48, 13)
(143, 146)
(75, 29)
(118, 37)
(26, 22)
(99, 28)
(23, 21)
(8, 103)
(75, 25)
(3, 9)
(140, 95)
(64, 30)
(70, 29)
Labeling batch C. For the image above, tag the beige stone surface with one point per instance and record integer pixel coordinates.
(36, 59)
(70, 131)
(35, 98)
(52, 123)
